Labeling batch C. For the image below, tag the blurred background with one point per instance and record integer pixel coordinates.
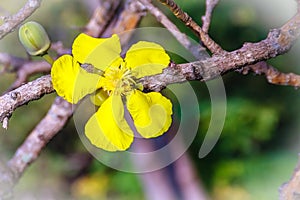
(259, 146)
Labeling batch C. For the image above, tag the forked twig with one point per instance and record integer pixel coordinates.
(206, 19)
(211, 45)
(197, 50)
(11, 22)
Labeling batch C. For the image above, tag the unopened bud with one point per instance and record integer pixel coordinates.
(34, 38)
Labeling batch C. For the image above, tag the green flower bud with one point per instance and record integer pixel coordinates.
(34, 38)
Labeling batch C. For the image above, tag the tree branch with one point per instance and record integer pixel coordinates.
(59, 48)
(11, 22)
(273, 76)
(22, 67)
(131, 15)
(29, 151)
(211, 45)
(31, 91)
(47, 128)
(198, 51)
(291, 189)
(28, 69)
(206, 19)
(278, 42)
(8, 60)
(101, 17)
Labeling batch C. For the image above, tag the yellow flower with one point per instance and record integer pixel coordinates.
(116, 85)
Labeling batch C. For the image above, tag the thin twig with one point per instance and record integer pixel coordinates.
(8, 61)
(59, 48)
(28, 69)
(11, 22)
(211, 45)
(23, 67)
(206, 19)
(273, 75)
(197, 50)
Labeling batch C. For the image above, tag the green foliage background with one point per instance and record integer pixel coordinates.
(258, 148)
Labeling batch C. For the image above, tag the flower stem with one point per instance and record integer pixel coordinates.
(48, 58)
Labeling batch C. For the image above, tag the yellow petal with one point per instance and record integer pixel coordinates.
(83, 45)
(100, 52)
(70, 81)
(151, 113)
(146, 59)
(107, 128)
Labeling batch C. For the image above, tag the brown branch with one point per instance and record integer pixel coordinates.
(22, 67)
(101, 17)
(132, 13)
(31, 91)
(273, 75)
(8, 60)
(211, 45)
(29, 151)
(28, 69)
(206, 19)
(59, 48)
(47, 128)
(198, 51)
(11, 22)
(278, 42)
(25, 68)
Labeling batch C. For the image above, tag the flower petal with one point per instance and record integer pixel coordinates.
(83, 45)
(71, 81)
(151, 113)
(100, 52)
(146, 58)
(107, 128)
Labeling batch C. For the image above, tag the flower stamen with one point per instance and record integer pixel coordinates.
(119, 80)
